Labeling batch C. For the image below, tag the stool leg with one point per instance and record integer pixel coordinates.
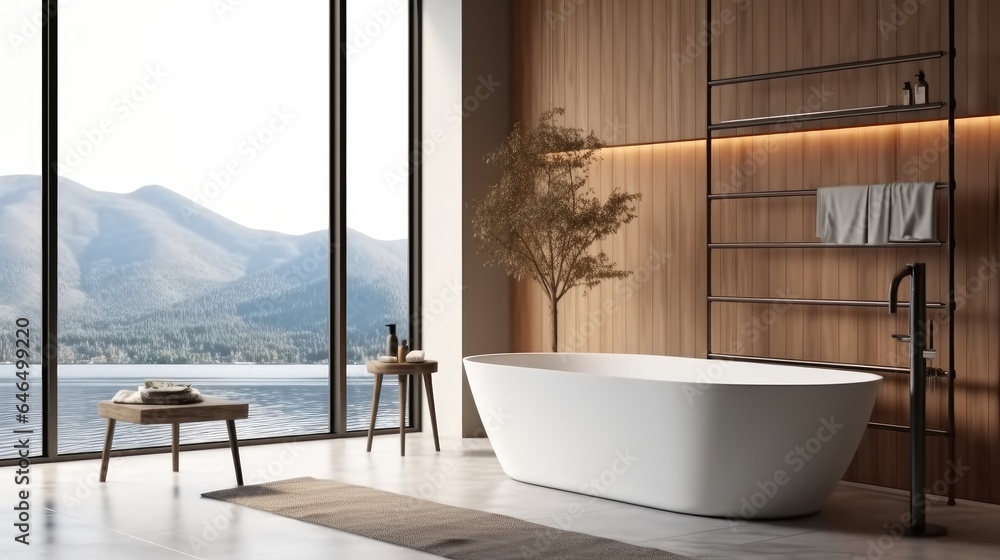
(231, 427)
(375, 395)
(109, 436)
(175, 444)
(402, 415)
(430, 405)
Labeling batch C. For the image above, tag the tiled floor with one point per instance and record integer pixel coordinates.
(146, 511)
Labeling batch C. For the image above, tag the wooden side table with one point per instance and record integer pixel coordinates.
(210, 408)
(404, 371)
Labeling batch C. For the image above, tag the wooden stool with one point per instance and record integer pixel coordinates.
(403, 370)
(210, 408)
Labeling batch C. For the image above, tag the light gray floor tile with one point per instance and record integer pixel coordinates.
(147, 511)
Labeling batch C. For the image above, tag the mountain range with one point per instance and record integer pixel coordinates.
(151, 277)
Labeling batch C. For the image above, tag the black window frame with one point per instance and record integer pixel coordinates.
(338, 236)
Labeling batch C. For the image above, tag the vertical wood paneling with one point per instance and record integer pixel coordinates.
(993, 54)
(662, 62)
(633, 71)
(993, 383)
(675, 237)
(977, 334)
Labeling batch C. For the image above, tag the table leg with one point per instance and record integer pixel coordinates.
(402, 414)
(175, 444)
(231, 426)
(106, 455)
(375, 395)
(430, 405)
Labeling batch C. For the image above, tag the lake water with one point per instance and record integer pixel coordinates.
(284, 401)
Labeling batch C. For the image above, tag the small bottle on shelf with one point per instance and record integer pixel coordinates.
(920, 92)
(907, 98)
(403, 350)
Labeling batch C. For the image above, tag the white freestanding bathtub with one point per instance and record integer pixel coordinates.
(705, 437)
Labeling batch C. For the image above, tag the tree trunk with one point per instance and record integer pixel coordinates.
(554, 324)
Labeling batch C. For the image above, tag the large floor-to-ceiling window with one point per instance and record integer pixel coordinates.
(196, 234)
(21, 383)
(377, 192)
(193, 209)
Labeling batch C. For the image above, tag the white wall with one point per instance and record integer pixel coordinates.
(486, 51)
(466, 114)
(442, 208)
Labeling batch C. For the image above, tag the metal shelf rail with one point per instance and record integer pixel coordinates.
(948, 305)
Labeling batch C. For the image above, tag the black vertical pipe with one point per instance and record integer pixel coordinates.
(951, 246)
(338, 227)
(416, 173)
(50, 231)
(918, 405)
(708, 184)
(918, 396)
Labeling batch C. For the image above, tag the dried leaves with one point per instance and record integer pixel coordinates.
(541, 220)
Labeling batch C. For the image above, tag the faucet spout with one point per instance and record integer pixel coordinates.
(894, 286)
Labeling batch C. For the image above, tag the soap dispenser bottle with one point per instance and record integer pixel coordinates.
(920, 93)
(391, 343)
(403, 351)
(907, 98)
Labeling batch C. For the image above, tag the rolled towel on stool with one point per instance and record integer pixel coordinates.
(415, 356)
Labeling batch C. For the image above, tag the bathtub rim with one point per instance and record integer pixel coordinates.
(839, 376)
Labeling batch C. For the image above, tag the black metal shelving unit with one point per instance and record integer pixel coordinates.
(948, 305)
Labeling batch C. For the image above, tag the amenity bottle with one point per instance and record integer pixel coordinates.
(403, 351)
(920, 91)
(391, 343)
(907, 97)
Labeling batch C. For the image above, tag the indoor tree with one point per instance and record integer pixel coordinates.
(541, 220)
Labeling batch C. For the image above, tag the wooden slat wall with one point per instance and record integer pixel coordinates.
(627, 70)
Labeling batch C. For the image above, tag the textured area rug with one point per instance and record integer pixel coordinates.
(447, 531)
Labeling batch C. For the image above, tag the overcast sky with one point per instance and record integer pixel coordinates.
(228, 106)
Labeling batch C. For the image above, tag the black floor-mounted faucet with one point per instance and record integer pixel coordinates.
(917, 339)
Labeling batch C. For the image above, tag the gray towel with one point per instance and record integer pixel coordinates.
(901, 212)
(842, 214)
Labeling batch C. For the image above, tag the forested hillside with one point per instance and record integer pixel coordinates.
(150, 277)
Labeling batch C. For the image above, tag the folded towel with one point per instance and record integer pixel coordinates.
(158, 392)
(901, 212)
(127, 397)
(842, 214)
